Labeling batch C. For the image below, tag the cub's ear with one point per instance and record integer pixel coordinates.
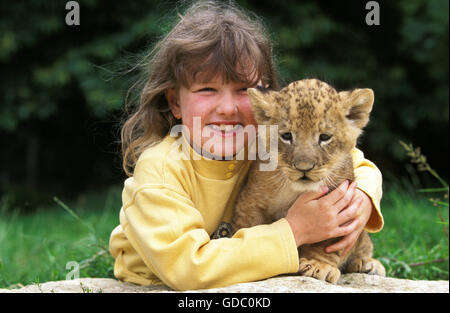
(262, 104)
(357, 105)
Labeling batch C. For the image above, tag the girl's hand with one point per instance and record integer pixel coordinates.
(364, 210)
(314, 217)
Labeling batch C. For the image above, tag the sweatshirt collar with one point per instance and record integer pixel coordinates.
(212, 168)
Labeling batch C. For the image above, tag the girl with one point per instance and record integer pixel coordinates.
(173, 222)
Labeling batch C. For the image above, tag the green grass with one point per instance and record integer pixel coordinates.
(35, 248)
(413, 243)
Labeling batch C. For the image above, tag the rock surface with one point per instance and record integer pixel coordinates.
(354, 283)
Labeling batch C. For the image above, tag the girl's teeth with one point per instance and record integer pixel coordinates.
(225, 128)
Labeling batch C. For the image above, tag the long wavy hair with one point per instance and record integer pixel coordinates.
(211, 38)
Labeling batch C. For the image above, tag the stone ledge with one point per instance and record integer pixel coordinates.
(349, 283)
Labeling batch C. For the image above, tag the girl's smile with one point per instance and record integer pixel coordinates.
(226, 128)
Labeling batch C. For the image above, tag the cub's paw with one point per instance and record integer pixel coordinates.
(319, 270)
(366, 265)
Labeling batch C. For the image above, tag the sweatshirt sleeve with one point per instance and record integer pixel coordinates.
(168, 233)
(369, 180)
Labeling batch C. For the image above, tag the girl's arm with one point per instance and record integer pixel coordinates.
(369, 180)
(169, 234)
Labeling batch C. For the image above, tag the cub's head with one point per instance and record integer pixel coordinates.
(317, 126)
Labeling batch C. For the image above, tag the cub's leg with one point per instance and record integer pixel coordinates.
(249, 210)
(254, 199)
(361, 261)
(315, 262)
(247, 214)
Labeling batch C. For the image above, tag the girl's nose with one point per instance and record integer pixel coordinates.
(227, 105)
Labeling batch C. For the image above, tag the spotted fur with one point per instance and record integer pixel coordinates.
(310, 110)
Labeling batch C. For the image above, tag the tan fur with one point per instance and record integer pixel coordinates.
(307, 109)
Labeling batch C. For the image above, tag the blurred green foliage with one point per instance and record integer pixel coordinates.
(42, 57)
(51, 72)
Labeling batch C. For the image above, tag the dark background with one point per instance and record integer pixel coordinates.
(62, 88)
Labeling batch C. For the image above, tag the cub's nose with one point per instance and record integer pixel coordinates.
(304, 166)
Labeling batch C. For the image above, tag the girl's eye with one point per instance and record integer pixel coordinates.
(206, 89)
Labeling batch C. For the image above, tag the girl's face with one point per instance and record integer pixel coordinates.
(215, 114)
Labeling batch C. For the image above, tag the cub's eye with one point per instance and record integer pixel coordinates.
(286, 137)
(324, 137)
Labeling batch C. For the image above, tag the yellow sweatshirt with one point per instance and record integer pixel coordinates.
(171, 207)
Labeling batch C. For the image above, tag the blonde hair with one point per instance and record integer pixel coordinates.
(212, 38)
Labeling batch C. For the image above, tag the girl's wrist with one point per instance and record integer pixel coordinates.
(297, 236)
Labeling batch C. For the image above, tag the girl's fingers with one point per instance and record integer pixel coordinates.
(347, 228)
(349, 213)
(336, 195)
(347, 198)
(314, 195)
(345, 244)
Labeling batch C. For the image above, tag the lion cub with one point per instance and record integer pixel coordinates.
(317, 129)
